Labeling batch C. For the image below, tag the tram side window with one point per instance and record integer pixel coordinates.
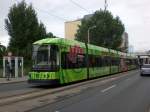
(67, 63)
(95, 61)
(112, 62)
(103, 62)
(81, 61)
(127, 61)
(115, 61)
(54, 57)
(130, 61)
(91, 61)
(63, 61)
(106, 61)
(99, 62)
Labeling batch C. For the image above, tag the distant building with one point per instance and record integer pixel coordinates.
(71, 28)
(125, 42)
(86, 17)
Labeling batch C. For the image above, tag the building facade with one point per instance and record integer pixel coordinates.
(71, 28)
(125, 42)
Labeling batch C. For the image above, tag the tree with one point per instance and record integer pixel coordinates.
(2, 50)
(24, 29)
(50, 35)
(108, 31)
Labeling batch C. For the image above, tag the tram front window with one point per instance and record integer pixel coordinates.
(45, 58)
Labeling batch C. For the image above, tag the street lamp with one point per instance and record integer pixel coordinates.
(86, 45)
(90, 28)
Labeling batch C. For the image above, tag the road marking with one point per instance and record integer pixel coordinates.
(104, 90)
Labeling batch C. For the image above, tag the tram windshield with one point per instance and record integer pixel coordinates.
(45, 57)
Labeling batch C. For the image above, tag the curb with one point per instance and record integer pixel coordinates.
(11, 81)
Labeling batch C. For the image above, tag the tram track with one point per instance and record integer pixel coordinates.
(7, 100)
(17, 94)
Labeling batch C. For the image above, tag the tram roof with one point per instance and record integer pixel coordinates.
(67, 42)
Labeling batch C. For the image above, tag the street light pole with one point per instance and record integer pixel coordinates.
(86, 45)
(90, 28)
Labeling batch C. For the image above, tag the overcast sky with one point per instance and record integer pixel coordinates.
(53, 13)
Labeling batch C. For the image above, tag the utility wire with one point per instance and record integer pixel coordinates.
(78, 5)
(51, 14)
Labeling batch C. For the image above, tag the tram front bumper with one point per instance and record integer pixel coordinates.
(44, 82)
(43, 78)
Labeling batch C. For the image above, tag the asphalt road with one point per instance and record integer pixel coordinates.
(127, 94)
(14, 86)
(9, 87)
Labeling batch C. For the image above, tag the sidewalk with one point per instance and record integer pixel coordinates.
(13, 80)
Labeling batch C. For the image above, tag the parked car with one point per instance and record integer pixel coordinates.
(145, 69)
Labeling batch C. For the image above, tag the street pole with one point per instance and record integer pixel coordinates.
(87, 58)
(90, 28)
(87, 54)
(88, 36)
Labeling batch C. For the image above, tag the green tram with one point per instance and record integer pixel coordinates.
(61, 61)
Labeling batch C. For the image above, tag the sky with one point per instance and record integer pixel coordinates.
(53, 13)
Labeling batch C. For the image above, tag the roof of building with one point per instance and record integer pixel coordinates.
(73, 21)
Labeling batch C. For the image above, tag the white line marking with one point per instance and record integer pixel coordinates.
(104, 90)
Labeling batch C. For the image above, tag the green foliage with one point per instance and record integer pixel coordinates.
(2, 51)
(24, 29)
(50, 35)
(108, 31)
